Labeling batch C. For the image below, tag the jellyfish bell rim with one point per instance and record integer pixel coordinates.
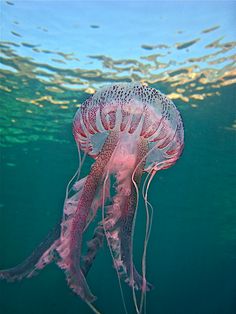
(111, 108)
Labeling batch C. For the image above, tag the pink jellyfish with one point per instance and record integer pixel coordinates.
(128, 129)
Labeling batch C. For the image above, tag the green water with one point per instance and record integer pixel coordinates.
(191, 256)
(55, 54)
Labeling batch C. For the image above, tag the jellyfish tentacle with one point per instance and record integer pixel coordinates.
(71, 239)
(147, 235)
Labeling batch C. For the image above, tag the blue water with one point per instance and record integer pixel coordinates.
(54, 54)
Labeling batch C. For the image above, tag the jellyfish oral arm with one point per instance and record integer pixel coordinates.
(71, 240)
(120, 216)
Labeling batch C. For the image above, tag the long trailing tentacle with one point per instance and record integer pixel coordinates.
(143, 294)
(93, 308)
(149, 217)
(147, 235)
(136, 177)
(145, 196)
(132, 236)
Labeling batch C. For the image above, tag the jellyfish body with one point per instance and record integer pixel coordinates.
(128, 129)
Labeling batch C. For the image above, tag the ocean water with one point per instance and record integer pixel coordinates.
(55, 54)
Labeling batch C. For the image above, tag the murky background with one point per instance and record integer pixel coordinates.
(54, 54)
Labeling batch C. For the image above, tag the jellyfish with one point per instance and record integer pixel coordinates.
(130, 130)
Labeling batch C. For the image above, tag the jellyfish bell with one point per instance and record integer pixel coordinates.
(131, 109)
(128, 129)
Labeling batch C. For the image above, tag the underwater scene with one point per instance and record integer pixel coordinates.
(126, 111)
